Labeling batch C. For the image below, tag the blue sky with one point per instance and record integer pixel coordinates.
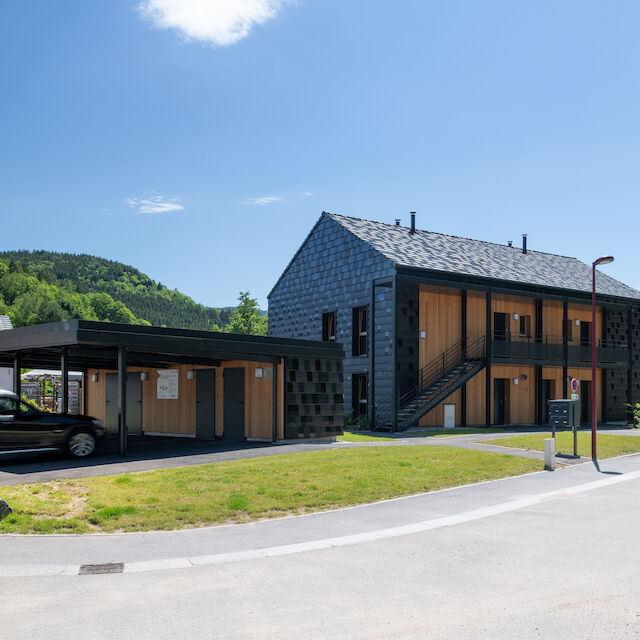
(199, 140)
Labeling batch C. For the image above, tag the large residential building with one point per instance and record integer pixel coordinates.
(441, 328)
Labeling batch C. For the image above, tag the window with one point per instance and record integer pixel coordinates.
(329, 326)
(8, 406)
(500, 326)
(359, 337)
(585, 334)
(359, 394)
(525, 326)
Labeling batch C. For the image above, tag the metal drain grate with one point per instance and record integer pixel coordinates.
(97, 569)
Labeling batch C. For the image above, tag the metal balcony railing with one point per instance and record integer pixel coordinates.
(550, 347)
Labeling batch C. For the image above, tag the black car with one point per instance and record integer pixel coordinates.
(24, 429)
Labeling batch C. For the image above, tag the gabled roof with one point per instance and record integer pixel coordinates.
(455, 255)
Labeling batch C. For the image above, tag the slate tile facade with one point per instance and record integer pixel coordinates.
(333, 271)
(619, 381)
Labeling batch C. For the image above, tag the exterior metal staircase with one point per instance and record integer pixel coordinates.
(437, 381)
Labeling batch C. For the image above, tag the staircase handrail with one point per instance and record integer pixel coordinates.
(444, 363)
(443, 392)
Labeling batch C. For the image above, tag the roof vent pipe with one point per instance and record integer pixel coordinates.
(510, 243)
(397, 222)
(524, 243)
(413, 223)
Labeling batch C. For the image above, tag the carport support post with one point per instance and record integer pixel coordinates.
(274, 403)
(16, 373)
(122, 400)
(64, 375)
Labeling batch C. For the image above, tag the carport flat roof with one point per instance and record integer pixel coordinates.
(95, 344)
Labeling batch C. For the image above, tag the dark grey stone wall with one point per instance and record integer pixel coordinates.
(333, 271)
(314, 398)
(616, 380)
(407, 344)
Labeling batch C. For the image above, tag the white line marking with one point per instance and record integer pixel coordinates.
(155, 565)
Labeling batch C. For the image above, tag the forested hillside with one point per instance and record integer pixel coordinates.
(42, 286)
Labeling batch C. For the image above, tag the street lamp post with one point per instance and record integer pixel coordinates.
(594, 402)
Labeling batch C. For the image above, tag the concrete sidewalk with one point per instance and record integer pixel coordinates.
(52, 555)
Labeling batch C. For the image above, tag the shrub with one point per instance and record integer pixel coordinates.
(633, 414)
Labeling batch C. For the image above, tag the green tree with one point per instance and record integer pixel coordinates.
(106, 308)
(246, 318)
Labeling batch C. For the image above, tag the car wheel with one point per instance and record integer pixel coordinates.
(81, 444)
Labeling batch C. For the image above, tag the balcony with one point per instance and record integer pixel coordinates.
(551, 349)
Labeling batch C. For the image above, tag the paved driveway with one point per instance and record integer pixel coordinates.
(148, 454)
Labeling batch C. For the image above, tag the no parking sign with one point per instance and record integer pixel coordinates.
(574, 388)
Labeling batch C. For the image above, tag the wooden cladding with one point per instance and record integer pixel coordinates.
(178, 417)
(440, 324)
(512, 318)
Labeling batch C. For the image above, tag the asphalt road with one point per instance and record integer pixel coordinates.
(562, 565)
(165, 453)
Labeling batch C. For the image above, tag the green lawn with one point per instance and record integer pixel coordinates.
(243, 490)
(608, 445)
(354, 436)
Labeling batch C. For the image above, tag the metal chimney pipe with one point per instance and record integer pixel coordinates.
(510, 243)
(413, 223)
(524, 243)
(397, 222)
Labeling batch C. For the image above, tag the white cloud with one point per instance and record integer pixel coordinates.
(264, 200)
(309, 194)
(215, 22)
(154, 204)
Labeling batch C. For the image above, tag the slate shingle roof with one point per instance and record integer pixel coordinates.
(453, 254)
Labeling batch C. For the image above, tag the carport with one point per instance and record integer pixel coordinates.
(305, 376)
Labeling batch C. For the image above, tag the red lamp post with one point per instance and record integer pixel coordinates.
(594, 403)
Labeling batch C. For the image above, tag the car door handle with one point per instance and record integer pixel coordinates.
(58, 430)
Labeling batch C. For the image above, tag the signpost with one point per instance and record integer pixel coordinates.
(575, 384)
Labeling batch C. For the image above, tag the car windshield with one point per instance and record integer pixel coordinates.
(7, 406)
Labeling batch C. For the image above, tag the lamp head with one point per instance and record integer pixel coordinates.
(603, 260)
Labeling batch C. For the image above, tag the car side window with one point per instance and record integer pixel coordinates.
(8, 406)
(26, 409)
